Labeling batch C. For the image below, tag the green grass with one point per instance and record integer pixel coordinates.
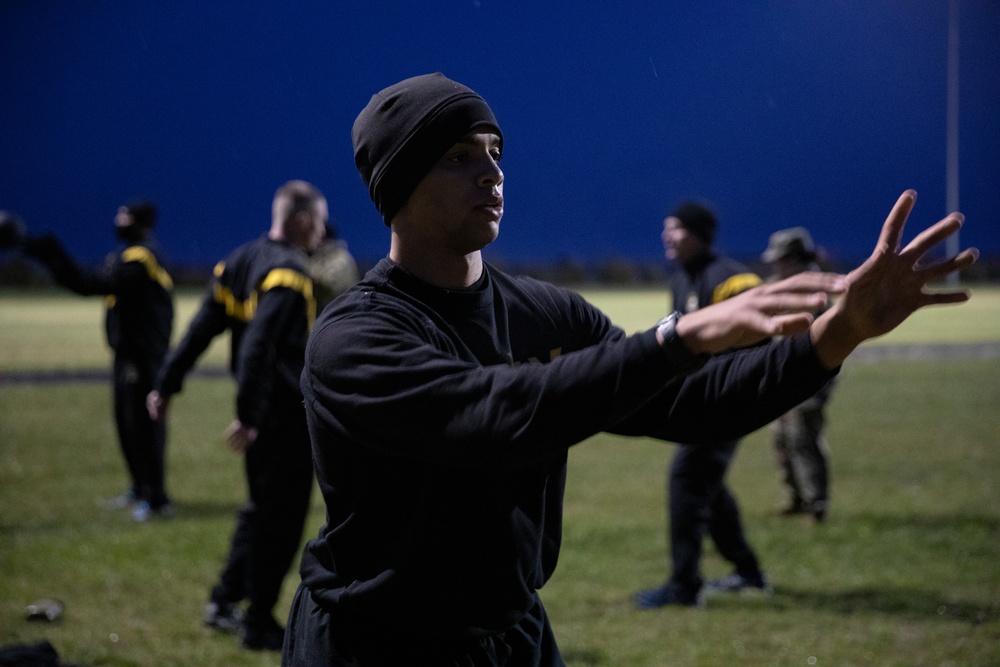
(52, 330)
(904, 573)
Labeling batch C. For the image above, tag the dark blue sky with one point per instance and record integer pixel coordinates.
(781, 113)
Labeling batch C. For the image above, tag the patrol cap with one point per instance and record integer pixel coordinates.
(793, 242)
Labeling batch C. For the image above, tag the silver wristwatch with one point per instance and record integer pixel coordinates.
(682, 358)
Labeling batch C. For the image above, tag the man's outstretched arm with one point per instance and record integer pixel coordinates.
(875, 297)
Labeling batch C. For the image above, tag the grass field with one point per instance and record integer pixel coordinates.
(906, 571)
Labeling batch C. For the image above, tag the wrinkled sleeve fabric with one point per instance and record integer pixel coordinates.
(382, 382)
(280, 313)
(733, 394)
(209, 322)
(380, 379)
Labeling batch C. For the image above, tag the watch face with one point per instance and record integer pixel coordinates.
(665, 327)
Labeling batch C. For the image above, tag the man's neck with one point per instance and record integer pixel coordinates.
(439, 269)
(697, 263)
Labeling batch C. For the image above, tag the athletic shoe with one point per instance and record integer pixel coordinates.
(737, 583)
(225, 617)
(263, 636)
(143, 511)
(667, 594)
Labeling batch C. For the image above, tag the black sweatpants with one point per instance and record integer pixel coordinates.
(142, 440)
(698, 500)
(315, 637)
(269, 527)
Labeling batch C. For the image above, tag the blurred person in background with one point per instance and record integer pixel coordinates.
(138, 295)
(332, 268)
(262, 293)
(698, 499)
(800, 447)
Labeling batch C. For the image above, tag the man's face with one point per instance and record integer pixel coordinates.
(123, 218)
(680, 245)
(316, 232)
(307, 229)
(458, 204)
(784, 267)
(125, 228)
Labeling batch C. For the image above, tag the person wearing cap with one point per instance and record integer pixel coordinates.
(332, 268)
(698, 499)
(443, 394)
(138, 295)
(263, 295)
(800, 446)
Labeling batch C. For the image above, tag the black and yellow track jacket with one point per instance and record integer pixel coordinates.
(262, 294)
(710, 279)
(138, 295)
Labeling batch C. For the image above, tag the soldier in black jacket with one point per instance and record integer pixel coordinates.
(138, 293)
(698, 499)
(443, 395)
(263, 294)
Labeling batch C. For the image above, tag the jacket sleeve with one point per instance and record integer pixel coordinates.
(280, 321)
(375, 382)
(83, 280)
(733, 394)
(207, 323)
(383, 381)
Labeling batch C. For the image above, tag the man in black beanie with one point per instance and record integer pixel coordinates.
(138, 295)
(443, 395)
(698, 499)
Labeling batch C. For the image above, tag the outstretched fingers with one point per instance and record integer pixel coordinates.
(806, 291)
(892, 230)
(932, 236)
(936, 270)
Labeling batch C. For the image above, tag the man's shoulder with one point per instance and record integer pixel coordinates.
(729, 277)
(722, 263)
(264, 255)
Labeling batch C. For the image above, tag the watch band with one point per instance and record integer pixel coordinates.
(682, 358)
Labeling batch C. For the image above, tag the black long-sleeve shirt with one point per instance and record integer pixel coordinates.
(261, 292)
(441, 421)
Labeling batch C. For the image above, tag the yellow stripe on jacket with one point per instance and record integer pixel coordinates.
(156, 272)
(733, 285)
(148, 259)
(244, 310)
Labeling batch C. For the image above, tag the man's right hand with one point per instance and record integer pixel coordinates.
(156, 405)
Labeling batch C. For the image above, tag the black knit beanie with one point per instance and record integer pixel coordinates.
(143, 213)
(406, 128)
(697, 219)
